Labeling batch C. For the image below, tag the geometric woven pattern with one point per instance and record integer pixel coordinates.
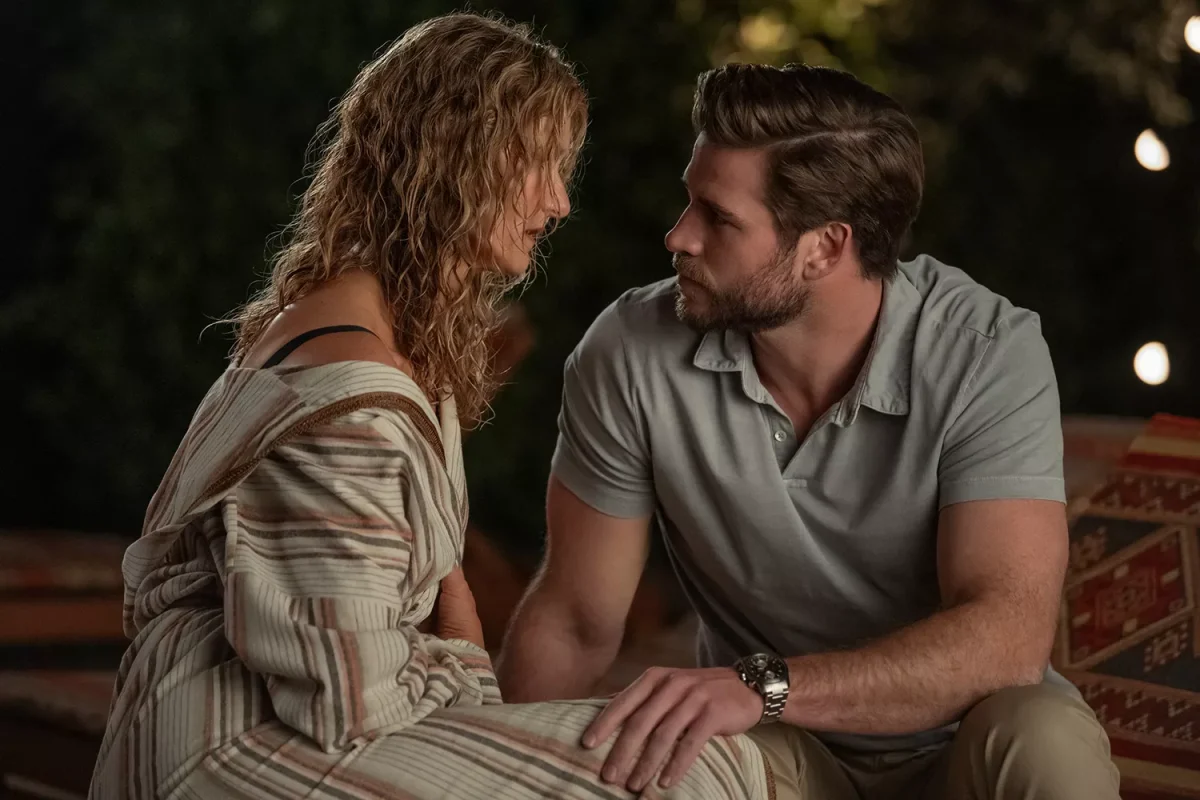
(1129, 628)
(1143, 594)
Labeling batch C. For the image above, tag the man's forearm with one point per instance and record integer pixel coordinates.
(545, 658)
(917, 678)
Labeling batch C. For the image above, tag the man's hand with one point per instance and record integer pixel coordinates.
(672, 713)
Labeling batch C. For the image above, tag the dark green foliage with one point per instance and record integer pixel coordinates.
(165, 144)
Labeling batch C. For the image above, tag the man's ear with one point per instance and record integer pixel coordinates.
(828, 245)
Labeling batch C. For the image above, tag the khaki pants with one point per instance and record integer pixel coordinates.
(1025, 743)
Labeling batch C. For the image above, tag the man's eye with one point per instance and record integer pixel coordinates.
(714, 216)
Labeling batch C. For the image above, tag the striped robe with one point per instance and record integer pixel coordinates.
(292, 549)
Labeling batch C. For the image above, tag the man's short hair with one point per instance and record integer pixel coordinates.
(838, 151)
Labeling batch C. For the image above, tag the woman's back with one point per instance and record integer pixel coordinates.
(353, 300)
(315, 521)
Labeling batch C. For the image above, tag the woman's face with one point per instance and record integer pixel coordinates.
(543, 197)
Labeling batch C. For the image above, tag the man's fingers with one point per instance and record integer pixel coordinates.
(668, 694)
(687, 750)
(664, 740)
(620, 708)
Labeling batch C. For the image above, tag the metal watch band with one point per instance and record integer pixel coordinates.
(754, 671)
(773, 703)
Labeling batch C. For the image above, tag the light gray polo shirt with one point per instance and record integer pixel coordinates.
(799, 547)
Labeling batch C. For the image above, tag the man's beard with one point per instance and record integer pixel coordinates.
(770, 298)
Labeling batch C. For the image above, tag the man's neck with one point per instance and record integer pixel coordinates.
(813, 361)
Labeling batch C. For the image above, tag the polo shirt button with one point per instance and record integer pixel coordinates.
(779, 437)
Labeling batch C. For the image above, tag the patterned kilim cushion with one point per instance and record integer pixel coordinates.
(57, 561)
(60, 607)
(1129, 633)
(60, 600)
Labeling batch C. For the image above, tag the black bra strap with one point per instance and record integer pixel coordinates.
(291, 346)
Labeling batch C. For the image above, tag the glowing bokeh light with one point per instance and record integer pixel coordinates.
(1151, 153)
(1152, 364)
(1191, 33)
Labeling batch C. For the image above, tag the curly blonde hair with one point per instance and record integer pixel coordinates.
(415, 167)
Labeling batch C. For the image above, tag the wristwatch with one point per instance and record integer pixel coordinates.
(768, 675)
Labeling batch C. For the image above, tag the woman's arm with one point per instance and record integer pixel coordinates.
(322, 538)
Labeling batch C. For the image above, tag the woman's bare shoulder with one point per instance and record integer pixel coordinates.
(340, 304)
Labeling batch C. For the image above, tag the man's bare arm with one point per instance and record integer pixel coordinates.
(568, 628)
(1000, 568)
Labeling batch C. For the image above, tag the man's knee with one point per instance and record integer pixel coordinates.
(1035, 736)
(1034, 713)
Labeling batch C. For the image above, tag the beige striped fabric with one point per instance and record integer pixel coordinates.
(292, 549)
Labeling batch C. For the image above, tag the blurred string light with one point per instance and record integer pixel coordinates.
(1151, 363)
(765, 32)
(1150, 151)
(1191, 33)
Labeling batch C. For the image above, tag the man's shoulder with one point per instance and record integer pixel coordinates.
(967, 335)
(649, 309)
(952, 302)
(642, 319)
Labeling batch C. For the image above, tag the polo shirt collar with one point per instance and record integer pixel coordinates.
(883, 385)
(722, 351)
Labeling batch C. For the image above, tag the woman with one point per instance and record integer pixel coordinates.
(281, 595)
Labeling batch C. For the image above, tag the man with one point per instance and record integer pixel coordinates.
(856, 466)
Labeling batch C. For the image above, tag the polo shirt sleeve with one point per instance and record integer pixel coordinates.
(1006, 441)
(603, 454)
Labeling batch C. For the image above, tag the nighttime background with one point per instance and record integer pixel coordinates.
(153, 149)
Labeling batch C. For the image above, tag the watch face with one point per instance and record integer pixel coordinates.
(774, 674)
(768, 675)
(766, 667)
